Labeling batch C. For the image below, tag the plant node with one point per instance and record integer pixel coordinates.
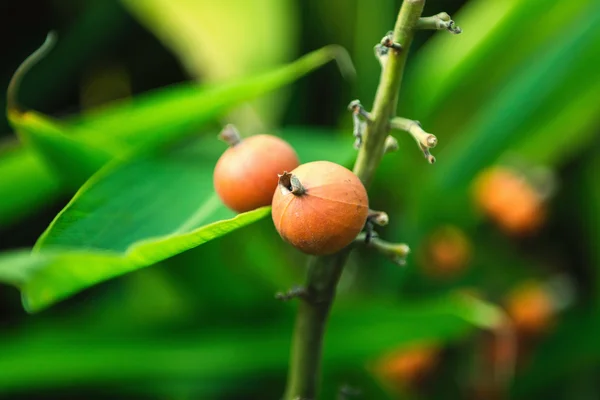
(388, 41)
(381, 53)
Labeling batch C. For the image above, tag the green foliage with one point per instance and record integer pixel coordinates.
(220, 357)
(518, 84)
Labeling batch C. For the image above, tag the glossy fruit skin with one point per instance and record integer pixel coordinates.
(328, 216)
(246, 174)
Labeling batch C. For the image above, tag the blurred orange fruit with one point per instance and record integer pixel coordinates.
(447, 252)
(531, 308)
(510, 200)
(407, 366)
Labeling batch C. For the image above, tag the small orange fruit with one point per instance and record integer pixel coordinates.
(320, 207)
(408, 366)
(447, 252)
(510, 200)
(246, 174)
(531, 308)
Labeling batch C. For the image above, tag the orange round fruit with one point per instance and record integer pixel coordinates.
(246, 174)
(320, 207)
(408, 365)
(510, 200)
(531, 308)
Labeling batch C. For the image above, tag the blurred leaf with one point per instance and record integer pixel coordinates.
(197, 30)
(57, 148)
(358, 332)
(491, 27)
(567, 130)
(26, 184)
(526, 93)
(571, 350)
(179, 111)
(150, 120)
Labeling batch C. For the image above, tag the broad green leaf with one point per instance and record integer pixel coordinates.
(26, 184)
(359, 331)
(151, 120)
(48, 276)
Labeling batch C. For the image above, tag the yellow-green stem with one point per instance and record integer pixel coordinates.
(324, 272)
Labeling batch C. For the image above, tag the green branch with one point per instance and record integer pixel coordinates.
(324, 272)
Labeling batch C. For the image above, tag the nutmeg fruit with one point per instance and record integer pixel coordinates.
(246, 174)
(319, 207)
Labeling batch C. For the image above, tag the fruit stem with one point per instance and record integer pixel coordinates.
(230, 135)
(324, 272)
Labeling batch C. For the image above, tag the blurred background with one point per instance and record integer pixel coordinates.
(506, 223)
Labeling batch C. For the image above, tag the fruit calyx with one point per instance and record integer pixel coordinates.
(230, 135)
(290, 183)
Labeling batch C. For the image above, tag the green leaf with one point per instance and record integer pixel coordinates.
(187, 28)
(453, 87)
(359, 331)
(179, 111)
(26, 184)
(48, 276)
(69, 157)
(150, 121)
(526, 94)
(554, 360)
